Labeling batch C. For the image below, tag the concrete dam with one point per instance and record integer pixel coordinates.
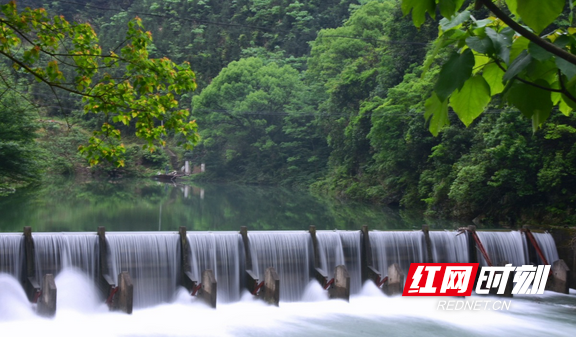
(132, 270)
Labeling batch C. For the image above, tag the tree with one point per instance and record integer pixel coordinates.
(517, 56)
(257, 125)
(18, 150)
(125, 87)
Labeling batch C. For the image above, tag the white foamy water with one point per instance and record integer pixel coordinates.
(368, 314)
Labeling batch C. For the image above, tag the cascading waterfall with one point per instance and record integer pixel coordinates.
(341, 247)
(221, 253)
(397, 247)
(152, 259)
(290, 253)
(504, 246)
(56, 251)
(449, 247)
(330, 251)
(351, 243)
(11, 254)
(548, 247)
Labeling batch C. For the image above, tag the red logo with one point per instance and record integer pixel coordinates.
(440, 279)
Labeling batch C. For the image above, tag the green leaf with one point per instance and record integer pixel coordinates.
(454, 21)
(483, 46)
(447, 8)
(533, 102)
(539, 14)
(501, 44)
(470, 101)
(450, 37)
(419, 9)
(538, 52)
(519, 64)
(512, 5)
(564, 107)
(544, 70)
(454, 73)
(437, 112)
(566, 67)
(519, 45)
(481, 23)
(493, 76)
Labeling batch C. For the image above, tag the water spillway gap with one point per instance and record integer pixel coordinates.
(398, 247)
(12, 254)
(153, 262)
(220, 252)
(504, 246)
(449, 247)
(57, 251)
(548, 246)
(341, 248)
(330, 252)
(289, 253)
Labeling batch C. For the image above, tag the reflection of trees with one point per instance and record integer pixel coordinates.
(134, 205)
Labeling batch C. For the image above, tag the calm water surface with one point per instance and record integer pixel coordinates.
(146, 205)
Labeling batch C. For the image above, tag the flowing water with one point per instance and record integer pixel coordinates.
(396, 247)
(368, 313)
(504, 246)
(351, 242)
(341, 248)
(152, 261)
(219, 252)
(11, 254)
(291, 255)
(55, 251)
(449, 247)
(548, 247)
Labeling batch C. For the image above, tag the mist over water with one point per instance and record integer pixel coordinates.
(368, 313)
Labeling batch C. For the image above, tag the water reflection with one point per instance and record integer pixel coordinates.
(145, 205)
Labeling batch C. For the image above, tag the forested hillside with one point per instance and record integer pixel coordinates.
(323, 94)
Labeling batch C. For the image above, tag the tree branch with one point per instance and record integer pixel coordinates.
(563, 86)
(528, 82)
(528, 34)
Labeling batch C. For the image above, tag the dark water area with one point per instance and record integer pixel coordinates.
(147, 205)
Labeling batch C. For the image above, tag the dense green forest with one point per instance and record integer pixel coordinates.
(327, 95)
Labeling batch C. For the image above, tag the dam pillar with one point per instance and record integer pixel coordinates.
(209, 288)
(426, 231)
(565, 239)
(271, 289)
(47, 300)
(395, 280)
(105, 282)
(341, 288)
(125, 292)
(559, 279)
(31, 284)
(367, 270)
(472, 255)
(320, 275)
(186, 280)
(251, 280)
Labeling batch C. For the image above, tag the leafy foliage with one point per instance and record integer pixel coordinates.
(18, 150)
(122, 87)
(257, 124)
(537, 72)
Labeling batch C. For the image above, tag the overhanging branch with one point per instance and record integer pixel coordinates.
(528, 34)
